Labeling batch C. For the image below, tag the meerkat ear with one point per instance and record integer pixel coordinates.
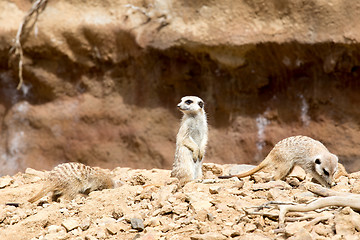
(201, 104)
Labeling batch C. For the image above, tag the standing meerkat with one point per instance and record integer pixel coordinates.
(70, 179)
(303, 151)
(191, 140)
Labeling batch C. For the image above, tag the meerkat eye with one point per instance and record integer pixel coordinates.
(201, 104)
(188, 102)
(317, 161)
(326, 172)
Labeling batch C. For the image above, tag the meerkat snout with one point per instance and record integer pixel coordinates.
(326, 166)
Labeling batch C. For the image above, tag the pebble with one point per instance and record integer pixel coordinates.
(112, 228)
(250, 227)
(5, 181)
(208, 236)
(34, 172)
(137, 224)
(54, 229)
(85, 224)
(210, 217)
(70, 224)
(214, 189)
(210, 181)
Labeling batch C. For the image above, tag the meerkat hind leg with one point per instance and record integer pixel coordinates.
(185, 167)
(282, 171)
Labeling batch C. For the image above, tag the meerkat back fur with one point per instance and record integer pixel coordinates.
(303, 151)
(70, 179)
(191, 140)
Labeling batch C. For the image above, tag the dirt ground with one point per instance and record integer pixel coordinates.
(151, 205)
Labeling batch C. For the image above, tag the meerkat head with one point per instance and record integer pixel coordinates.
(191, 105)
(326, 166)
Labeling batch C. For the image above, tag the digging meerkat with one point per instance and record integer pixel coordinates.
(191, 140)
(70, 179)
(303, 151)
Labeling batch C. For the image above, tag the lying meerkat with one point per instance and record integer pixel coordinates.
(70, 179)
(191, 140)
(303, 151)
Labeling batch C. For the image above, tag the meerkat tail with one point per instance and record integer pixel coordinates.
(42, 193)
(245, 174)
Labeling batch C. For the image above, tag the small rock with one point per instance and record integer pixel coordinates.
(214, 168)
(54, 229)
(70, 224)
(277, 194)
(210, 217)
(208, 236)
(200, 205)
(105, 221)
(270, 185)
(238, 185)
(152, 222)
(5, 181)
(323, 230)
(34, 172)
(293, 228)
(167, 208)
(199, 201)
(356, 186)
(292, 181)
(112, 228)
(117, 213)
(254, 236)
(180, 208)
(89, 237)
(214, 189)
(298, 172)
(100, 233)
(344, 222)
(301, 234)
(201, 215)
(235, 234)
(210, 181)
(148, 236)
(85, 224)
(139, 179)
(250, 227)
(137, 224)
(304, 197)
(355, 219)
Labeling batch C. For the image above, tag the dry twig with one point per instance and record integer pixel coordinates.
(341, 201)
(37, 5)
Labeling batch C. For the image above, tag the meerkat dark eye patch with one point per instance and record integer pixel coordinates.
(326, 172)
(201, 104)
(317, 161)
(188, 102)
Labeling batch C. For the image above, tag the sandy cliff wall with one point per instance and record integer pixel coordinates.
(102, 79)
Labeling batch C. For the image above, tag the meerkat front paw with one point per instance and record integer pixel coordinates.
(201, 155)
(196, 155)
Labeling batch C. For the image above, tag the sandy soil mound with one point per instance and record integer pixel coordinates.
(151, 205)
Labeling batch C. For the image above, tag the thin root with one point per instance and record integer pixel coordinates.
(37, 5)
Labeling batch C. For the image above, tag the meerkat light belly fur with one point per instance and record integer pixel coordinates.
(191, 140)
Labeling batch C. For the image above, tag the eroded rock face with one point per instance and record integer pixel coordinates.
(102, 80)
